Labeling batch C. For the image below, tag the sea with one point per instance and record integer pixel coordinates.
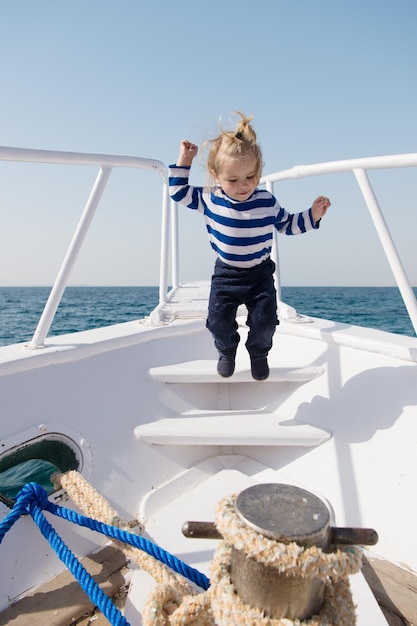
(83, 308)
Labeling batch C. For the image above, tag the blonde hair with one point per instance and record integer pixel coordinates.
(239, 143)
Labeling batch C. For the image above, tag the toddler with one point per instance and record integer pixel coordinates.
(240, 221)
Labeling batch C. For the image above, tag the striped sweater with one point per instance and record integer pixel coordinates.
(241, 233)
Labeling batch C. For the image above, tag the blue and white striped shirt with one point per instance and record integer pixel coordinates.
(241, 233)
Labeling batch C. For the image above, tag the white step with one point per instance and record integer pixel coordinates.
(206, 372)
(232, 428)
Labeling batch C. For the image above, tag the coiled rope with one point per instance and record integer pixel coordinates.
(221, 606)
(183, 596)
(174, 602)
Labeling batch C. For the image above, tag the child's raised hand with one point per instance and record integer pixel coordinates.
(319, 207)
(187, 153)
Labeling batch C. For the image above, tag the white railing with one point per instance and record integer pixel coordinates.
(359, 168)
(169, 232)
(106, 163)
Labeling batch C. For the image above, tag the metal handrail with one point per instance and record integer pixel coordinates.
(169, 230)
(359, 168)
(349, 165)
(30, 155)
(106, 163)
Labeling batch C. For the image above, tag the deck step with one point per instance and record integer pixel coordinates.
(233, 428)
(206, 372)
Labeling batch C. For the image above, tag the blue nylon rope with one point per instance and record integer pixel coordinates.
(33, 499)
(133, 540)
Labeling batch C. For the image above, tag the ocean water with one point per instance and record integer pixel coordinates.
(88, 307)
(81, 308)
(376, 307)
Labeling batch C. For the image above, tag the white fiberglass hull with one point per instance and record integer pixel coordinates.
(344, 427)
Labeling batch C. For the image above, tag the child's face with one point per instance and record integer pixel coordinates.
(238, 177)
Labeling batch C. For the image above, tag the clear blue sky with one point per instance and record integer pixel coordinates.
(324, 79)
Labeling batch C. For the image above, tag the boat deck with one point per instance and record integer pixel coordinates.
(187, 301)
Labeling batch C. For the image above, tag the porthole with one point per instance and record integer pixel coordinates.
(35, 461)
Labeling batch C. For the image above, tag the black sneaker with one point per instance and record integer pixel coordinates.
(225, 366)
(259, 368)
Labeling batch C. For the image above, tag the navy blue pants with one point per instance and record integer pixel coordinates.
(254, 287)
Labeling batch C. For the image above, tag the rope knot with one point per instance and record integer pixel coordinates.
(32, 493)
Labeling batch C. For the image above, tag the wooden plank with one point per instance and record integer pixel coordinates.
(394, 587)
(96, 617)
(204, 371)
(61, 601)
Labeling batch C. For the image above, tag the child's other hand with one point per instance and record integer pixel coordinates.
(319, 207)
(187, 153)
